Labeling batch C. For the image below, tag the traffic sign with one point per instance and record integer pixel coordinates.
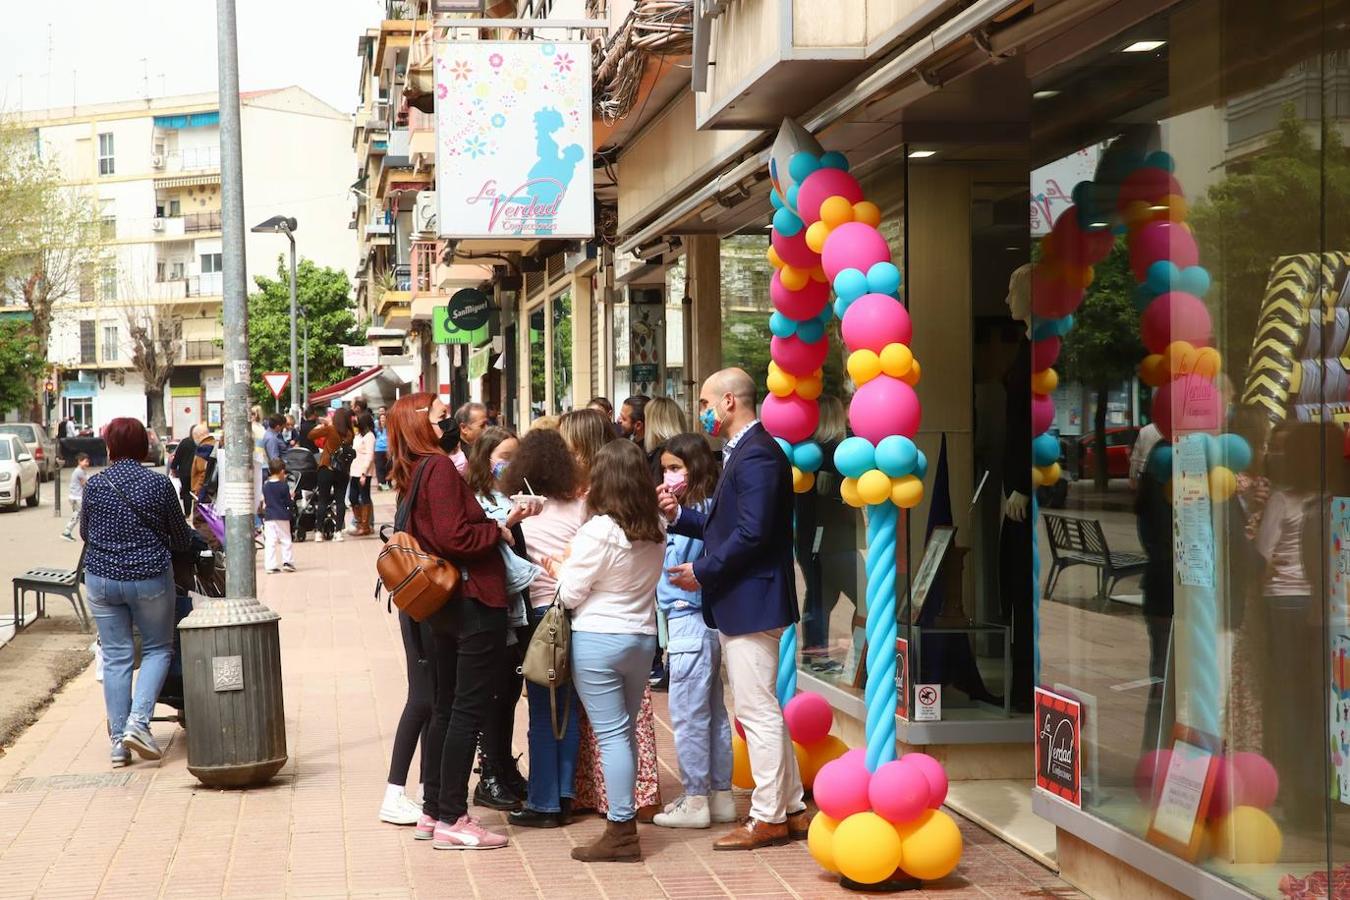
(276, 382)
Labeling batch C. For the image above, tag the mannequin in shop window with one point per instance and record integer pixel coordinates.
(1015, 536)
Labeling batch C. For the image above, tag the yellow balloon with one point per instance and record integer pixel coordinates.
(827, 749)
(1044, 382)
(802, 481)
(867, 212)
(874, 486)
(818, 274)
(1037, 477)
(1208, 362)
(774, 259)
(912, 378)
(1177, 207)
(1181, 358)
(794, 279)
(1152, 371)
(863, 366)
(930, 845)
(740, 764)
(1246, 835)
(820, 841)
(848, 492)
(907, 491)
(803, 756)
(816, 234)
(810, 387)
(780, 383)
(867, 848)
(1051, 474)
(896, 360)
(835, 211)
(1222, 483)
(1137, 213)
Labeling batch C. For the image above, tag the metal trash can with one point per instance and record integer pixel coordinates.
(236, 722)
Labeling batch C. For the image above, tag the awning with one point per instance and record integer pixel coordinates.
(186, 181)
(366, 384)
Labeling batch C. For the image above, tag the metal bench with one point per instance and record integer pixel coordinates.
(46, 580)
(1081, 542)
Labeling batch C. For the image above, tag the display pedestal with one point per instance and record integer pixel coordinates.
(890, 886)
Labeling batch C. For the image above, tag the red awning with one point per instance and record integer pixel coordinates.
(335, 391)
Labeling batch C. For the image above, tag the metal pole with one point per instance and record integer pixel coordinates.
(295, 388)
(306, 391)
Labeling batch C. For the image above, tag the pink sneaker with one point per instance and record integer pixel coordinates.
(467, 834)
(426, 828)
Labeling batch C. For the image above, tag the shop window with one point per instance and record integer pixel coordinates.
(562, 352)
(81, 410)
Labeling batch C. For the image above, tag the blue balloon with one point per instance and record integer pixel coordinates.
(825, 316)
(1194, 280)
(785, 222)
(1236, 452)
(1162, 275)
(785, 447)
(854, 456)
(834, 160)
(1159, 463)
(774, 200)
(841, 306)
(1161, 159)
(810, 331)
(1213, 449)
(883, 278)
(850, 284)
(921, 466)
(896, 455)
(1045, 449)
(801, 165)
(1143, 296)
(782, 326)
(1048, 328)
(1119, 229)
(808, 456)
(792, 197)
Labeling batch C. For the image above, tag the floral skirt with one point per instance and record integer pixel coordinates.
(590, 784)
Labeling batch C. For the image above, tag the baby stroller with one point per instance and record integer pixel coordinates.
(201, 571)
(302, 476)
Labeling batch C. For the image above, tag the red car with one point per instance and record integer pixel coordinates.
(1119, 443)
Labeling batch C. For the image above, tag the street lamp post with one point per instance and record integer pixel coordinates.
(287, 226)
(304, 317)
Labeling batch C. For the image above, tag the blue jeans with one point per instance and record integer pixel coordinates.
(698, 713)
(553, 762)
(611, 671)
(117, 606)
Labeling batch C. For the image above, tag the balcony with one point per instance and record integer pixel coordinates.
(194, 223)
(190, 286)
(191, 159)
(208, 351)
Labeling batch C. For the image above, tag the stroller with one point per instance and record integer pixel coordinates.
(302, 475)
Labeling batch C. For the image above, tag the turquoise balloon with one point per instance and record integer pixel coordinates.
(782, 326)
(792, 197)
(1159, 463)
(1048, 328)
(850, 284)
(1235, 451)
(1194, 280)
(1162, 275)
(810, 331)
(774, 200)
(801, 165)
(1045, 449)
(921, 466)
(883, 278)
(786, 223)
(1161, 159)
(834, 160)
(840, 306)
(785, 447)
(808, 456)
(1213, 450)
(854, 456)
(896, 455)
(825, 316)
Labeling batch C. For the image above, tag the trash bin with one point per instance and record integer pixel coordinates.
(236, 723)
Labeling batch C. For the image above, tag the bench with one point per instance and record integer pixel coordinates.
(46, 580)
(1081, 542)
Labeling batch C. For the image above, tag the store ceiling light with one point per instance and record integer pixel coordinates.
(1044, 95)
(921, 154)
(1143, 46)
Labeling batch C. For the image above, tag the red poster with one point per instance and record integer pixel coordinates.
(902, 677)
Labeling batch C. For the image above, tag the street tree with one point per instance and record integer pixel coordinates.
(155, 336)
(21, 365)
(325, 295)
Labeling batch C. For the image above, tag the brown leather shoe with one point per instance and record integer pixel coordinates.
(753, 834)
(799, 824)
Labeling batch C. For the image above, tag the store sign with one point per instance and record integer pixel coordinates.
(902, 677)
(513, 139)
(362, 357)
(469, 309)
(443, 331)
(1059, 748)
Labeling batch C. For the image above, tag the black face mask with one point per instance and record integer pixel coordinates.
(449, 436)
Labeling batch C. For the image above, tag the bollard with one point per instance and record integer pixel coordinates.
(236, 723)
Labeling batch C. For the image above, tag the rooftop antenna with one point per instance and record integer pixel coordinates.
(51, 53)
(145, 78)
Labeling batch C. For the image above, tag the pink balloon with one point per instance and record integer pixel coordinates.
(1149, 185)
(1044, 353)
(794, 251)
(1186, 404)
(857, 756)
(821, 185)
(1149, 775)
(853, 245)
(1260, 782)
(1053, 297)
(809, 718)
(796, 357)
(1161, 240)
(933, 771)
(1175, 316)
(1042, 413)
(801, 305)
(882, 407)
(790, 418)
(1227, 791)
(899, 791)
(1077, 245)
(740, 729)
(840, 788)
(875, 320)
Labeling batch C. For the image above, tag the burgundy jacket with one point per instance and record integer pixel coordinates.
(449, 522)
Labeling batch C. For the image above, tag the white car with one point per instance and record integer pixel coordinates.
(18, 473)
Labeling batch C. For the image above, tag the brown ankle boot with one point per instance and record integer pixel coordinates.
(619, 843)
(367, 520)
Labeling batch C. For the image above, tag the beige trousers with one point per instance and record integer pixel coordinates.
(752, 669)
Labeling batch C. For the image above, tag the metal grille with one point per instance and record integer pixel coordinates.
(556, 265)
(534, 283)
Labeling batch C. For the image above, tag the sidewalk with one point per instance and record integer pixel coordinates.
(70, 826)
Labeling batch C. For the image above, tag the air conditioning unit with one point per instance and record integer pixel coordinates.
(156, 224)
(157, 161)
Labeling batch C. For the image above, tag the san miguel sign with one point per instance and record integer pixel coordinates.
(513, 139)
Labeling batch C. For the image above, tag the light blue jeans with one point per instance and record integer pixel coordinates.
(117, 606)
(610, 672)
(698, 712)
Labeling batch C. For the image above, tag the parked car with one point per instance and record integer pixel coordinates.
(155, 455)
(41, 447)
(19, 477)
(1119, 442)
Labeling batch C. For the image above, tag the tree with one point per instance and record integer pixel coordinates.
(155, 334)
(21, 364)
(325, 295)
(1103, 348)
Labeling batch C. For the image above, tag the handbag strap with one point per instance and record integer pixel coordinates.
(553, 711)
(145, 520)
(405, 508)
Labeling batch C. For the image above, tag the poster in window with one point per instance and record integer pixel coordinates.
(1178, 823)
(1059, 749)
(1338, 626)
(902, 677)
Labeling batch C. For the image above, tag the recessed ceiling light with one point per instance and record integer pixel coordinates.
(1044, 95)
(921, 154)
(1143, 46)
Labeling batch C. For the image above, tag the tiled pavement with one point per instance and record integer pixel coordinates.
(71, 827)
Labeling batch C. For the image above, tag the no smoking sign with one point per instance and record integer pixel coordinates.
(927, 702)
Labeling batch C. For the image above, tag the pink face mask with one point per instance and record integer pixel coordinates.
(675, 482)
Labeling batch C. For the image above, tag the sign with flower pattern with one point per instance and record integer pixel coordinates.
(513, 139)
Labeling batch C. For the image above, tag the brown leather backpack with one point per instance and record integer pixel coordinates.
(418, 582)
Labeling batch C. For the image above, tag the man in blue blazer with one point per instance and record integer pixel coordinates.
(749, 590)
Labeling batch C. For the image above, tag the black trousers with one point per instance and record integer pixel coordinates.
(332, 491)
(500, 727)
(469, 640)
(415, 723)
(382, 466)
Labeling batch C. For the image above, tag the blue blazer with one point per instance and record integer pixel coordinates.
(749, 583)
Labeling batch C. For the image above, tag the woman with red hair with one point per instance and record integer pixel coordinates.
(131, 524)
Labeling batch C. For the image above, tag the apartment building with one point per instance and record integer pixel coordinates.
(152, 168)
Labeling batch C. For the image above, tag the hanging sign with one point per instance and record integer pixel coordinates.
(469, 309)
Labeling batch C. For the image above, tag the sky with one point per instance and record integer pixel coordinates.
(106, 50)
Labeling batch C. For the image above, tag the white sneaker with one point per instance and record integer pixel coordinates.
(337, 536)
(402, 811)
(685, 812)
(723, 807)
